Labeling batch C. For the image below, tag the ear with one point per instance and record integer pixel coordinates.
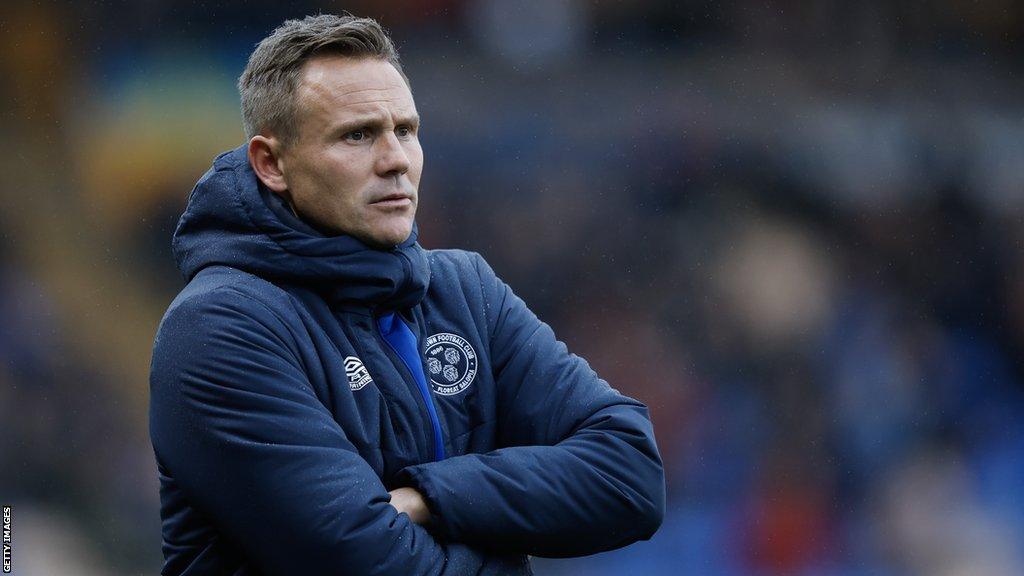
(265, 158)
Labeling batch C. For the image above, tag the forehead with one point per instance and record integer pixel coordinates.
(332, 87)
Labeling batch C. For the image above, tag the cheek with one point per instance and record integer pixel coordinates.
(415, 155)
(342, 175)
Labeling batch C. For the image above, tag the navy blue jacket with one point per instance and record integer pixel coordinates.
(298, 377)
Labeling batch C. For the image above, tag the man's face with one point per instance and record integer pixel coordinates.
(356, 163)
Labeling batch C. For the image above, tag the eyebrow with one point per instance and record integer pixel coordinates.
(372, 120)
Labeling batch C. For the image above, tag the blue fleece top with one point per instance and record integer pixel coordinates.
(298, 377)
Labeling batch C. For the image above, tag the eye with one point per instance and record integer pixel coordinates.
(356, 135)
(403, 131)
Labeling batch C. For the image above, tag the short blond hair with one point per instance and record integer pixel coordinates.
(268, 84)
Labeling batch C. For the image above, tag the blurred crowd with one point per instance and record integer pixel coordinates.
(794, 230)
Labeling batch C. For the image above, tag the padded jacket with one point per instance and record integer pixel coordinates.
(298, 377)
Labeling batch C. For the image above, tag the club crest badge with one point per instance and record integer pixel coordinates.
(358, 376)
(451, 363)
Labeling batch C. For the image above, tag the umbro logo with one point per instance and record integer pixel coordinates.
(357, 374)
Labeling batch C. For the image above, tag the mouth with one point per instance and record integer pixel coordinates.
(392, 201)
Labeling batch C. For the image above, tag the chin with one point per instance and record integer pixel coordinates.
(399, 238)
(391, 238)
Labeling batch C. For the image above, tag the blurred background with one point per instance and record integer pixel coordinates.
(793, 229)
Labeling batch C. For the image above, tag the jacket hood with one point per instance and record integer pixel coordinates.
(231, 219)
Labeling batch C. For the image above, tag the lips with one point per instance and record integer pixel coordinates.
(393, 202)
(392, 198)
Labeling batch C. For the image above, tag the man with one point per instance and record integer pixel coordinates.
(327, 397)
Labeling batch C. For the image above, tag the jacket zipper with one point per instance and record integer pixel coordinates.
(421, 385)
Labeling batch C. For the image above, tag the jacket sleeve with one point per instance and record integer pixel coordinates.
(234, 419)
(579, 471)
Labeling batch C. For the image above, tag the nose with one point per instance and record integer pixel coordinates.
(392, 159)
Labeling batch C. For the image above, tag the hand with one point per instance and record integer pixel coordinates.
(410, 501)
